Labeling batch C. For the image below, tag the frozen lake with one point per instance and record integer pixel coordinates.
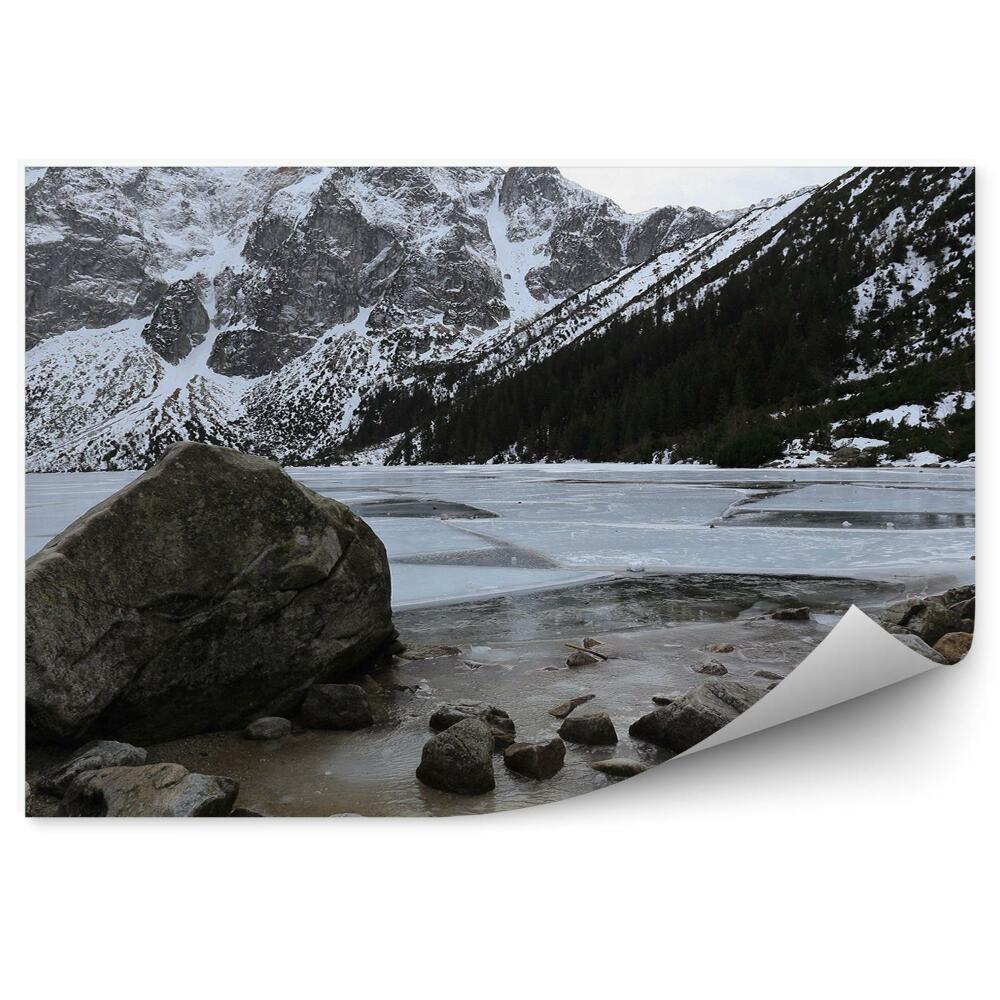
(508, 563)
(459, 533)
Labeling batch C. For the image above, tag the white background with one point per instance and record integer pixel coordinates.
(851, 854)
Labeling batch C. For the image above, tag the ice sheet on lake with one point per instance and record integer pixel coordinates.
(922, 496)
(578, 520)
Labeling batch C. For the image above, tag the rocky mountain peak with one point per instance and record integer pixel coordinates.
(322, 282)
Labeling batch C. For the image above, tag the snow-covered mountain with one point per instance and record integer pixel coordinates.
(260, 307)
(317, 315)
(834, 324)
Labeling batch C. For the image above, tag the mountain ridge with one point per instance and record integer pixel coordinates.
(329, 278)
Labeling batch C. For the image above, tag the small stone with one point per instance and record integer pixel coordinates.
(713, 667)
(271, 727)
(721, 647)
(561, 711)
(580, 659)
(619, 767)
(769, 675)
(336, 706)
(791, 615)
(593, 729)
(460, 759)
(954, 645)
(536, 760)
(663, 699)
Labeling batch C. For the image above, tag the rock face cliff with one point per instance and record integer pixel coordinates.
(262, 307)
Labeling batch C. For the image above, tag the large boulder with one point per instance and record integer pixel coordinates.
(336, 706)
(696, 715)
(92, 756)
(500, 723)
(210, 590)
(536, 760)
(460, 759)
(150, 790)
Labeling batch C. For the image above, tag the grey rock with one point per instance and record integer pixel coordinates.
(561, 711)
(592, 729)
(149, 790)
(619, 767)
(721, 647)
(336, 706)
(536, 760)
(664, 699)
(270, 727)
(580, 659)
(500, 723)
(179, 322)
(919, 646)
(696, 715)
(713, 667)
(92, 756)
(209, 591)
(460, 759)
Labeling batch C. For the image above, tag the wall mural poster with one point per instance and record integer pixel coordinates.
(430, 491)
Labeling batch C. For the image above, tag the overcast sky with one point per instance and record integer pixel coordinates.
(714, 188)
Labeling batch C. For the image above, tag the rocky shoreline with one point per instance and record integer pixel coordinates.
(216, 640)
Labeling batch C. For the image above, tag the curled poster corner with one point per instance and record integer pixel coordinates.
(857, 657)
